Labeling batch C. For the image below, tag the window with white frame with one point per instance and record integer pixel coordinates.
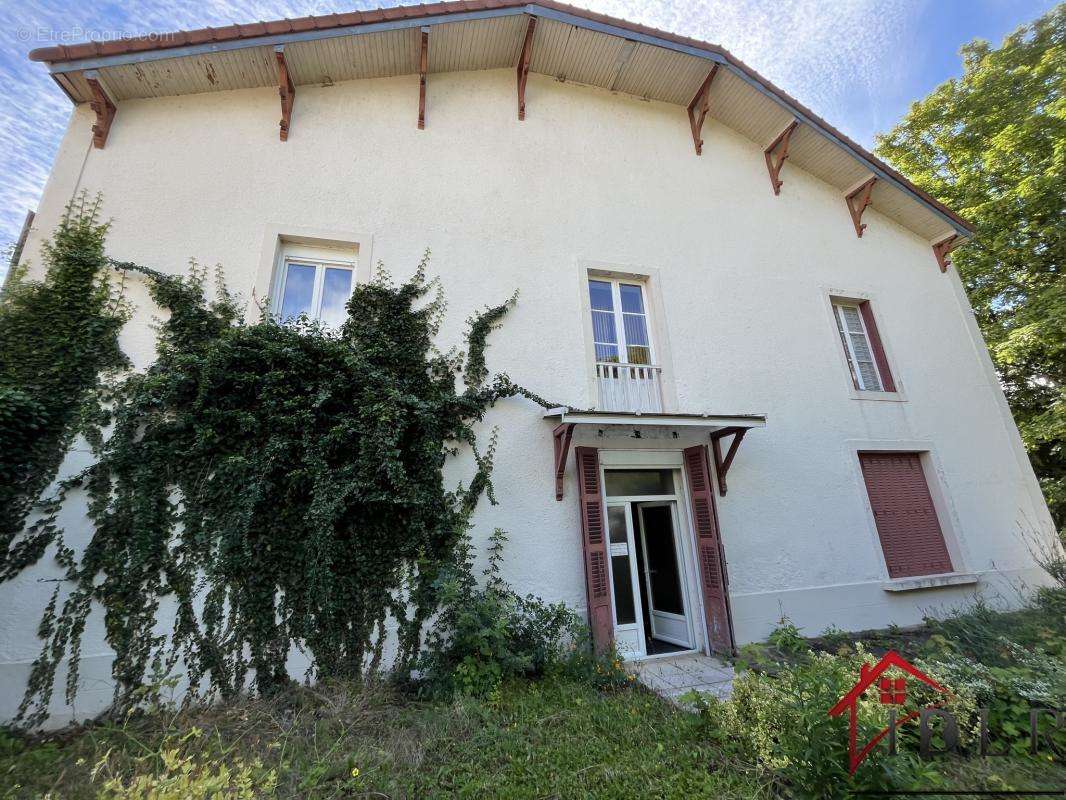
(317, 284)
(860, 346)
(619, 322)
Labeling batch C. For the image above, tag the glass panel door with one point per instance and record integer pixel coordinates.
(664, 584)
(628, 622)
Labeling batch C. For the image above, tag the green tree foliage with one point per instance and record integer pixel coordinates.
(992, 145)
(56, 336)
(280, 485)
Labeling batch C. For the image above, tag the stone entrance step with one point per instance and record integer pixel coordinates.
(673, 676)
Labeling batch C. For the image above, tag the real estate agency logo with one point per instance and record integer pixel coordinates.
(893, 692)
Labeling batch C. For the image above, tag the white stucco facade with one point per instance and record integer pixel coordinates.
(738, 282)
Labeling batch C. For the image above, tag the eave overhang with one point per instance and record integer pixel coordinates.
(717, 426)
(657, 65)
(627, 419)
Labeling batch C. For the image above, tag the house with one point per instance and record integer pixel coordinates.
(791, 409)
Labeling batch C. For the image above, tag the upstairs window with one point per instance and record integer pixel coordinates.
(316, 287)
(619, 322)
(862, 346)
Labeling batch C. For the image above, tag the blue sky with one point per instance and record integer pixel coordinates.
(858, 63)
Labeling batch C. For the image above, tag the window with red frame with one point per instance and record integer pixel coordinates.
(862, 346)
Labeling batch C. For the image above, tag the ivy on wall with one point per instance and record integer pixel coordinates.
(280, 483)
(57, 336)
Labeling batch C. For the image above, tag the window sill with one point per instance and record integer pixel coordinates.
(930, 581)
(891, 397)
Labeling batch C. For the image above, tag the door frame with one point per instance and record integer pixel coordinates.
(679, 556)
(672, 459)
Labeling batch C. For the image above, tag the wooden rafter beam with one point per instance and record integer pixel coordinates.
(858, 199)
(287, 92)
(942, 250)
(423, 67)
(722, 465)
(698, 108)
(776, 153)
(562, 436)
(102, 106)
(523, 66)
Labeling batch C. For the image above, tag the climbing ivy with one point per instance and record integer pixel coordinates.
(278, 485)
(57, 336)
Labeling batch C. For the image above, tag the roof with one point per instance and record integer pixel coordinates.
(609, 52)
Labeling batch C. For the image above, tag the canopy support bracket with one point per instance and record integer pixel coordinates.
(523, 66)
(778, 146)
(698, 108)
(858, 199)
(722, 465)
(286, 90)
(562, 435)
(102, 106)
(942, 250)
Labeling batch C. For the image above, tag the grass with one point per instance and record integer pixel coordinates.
(551, 738)
(557, 737)
(554, 738)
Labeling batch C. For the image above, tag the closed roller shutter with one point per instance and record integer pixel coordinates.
(910, 533)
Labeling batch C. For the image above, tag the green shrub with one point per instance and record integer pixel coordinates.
(487, 633)
(787, 638)
(1025, 678)
(782, 723)
(1052, 601)
(993, 637)
(183, 778)
(604, 671)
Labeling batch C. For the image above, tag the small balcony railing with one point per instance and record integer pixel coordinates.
(629, 387)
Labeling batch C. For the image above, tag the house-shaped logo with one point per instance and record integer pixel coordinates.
(892, 692)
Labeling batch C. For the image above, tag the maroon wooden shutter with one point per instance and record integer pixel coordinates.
(713, 578)
(907, 525)
(878, 350)
(594, 543)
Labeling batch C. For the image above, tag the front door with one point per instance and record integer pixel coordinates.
(651, 600)
(664, 586)
(625, 586)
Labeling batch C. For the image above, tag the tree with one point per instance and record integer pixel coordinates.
(992, 144)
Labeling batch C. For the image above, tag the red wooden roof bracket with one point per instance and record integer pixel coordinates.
(862, 195)
(423, 66)
(721, 465)
(697, 116)
(523, 66)
(780, 141)
(286, 90)
(943, 248)
(562, 435)
(103, 108)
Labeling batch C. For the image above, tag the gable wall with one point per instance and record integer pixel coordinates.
(593, 177)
